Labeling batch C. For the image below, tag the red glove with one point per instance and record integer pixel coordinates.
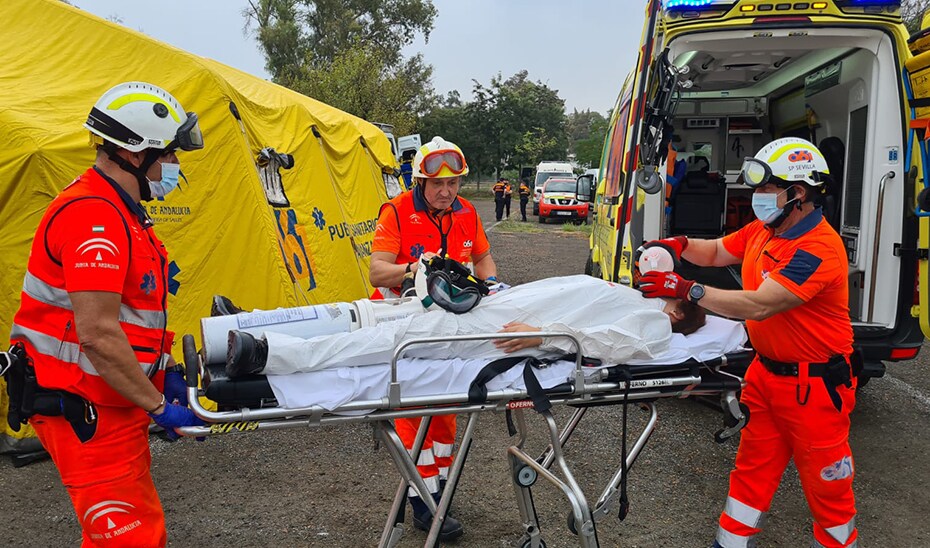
(676, 245)
(664, 284)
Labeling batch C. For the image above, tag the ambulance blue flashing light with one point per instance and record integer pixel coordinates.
(670, 4)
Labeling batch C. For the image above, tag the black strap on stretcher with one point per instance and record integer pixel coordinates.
(478, 392)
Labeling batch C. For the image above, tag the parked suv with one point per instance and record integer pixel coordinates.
(557, 201)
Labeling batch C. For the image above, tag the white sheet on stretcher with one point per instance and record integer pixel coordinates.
(332, 388)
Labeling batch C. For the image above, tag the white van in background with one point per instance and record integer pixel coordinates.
(544, 171)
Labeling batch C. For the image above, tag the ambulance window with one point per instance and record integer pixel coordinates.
(852, 202)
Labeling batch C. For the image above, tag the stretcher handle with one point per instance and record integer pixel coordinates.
(191, 360)
(394, 389)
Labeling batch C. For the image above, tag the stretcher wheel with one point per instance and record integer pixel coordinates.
(529, 544)
(572, 526)
(732, 421)
(526, 476)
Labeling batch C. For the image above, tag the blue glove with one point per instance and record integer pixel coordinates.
(175, 388)
(176, 416)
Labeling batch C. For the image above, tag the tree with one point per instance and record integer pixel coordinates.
(347, 53)
(586, 131)
(508, 124)
(912, 12)
(361, 81)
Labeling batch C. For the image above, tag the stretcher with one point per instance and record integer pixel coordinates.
(251, 404)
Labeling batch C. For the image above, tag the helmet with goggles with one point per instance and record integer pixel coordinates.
(785, 162)
(137, 116)
(439, 159)
(448, 284)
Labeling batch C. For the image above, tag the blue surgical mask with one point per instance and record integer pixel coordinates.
(170, 174)
(764, 205)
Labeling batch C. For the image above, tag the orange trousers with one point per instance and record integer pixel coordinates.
(108, 477)
(815, 434)
(436, 454)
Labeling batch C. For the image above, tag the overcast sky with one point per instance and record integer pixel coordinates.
(582, 48)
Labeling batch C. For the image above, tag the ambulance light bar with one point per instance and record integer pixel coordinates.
(696, 4)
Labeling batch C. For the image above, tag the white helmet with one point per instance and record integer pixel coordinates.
(439, 159)
(138, 116)
(788, 160)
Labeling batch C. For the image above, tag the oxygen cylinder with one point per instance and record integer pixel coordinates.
(375, 312)
(304, 322)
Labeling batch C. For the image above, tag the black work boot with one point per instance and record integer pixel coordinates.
(222, 306)
(423, 519)
(245, 355)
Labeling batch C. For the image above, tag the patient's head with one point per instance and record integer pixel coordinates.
(686, 316)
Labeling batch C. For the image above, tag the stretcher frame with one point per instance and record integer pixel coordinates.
(601, 389)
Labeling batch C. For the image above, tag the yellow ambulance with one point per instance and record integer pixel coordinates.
(716, 80)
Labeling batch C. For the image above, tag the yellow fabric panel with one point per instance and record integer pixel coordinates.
(221, 233)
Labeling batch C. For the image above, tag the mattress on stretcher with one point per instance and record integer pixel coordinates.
(333, 388)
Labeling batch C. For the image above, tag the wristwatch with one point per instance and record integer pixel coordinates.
(696, 293)
(407, 270)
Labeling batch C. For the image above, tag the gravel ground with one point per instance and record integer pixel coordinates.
(329, 488)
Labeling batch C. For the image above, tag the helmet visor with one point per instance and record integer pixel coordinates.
(447, 295)
(432, 163)
(755, 173)
(189, 136)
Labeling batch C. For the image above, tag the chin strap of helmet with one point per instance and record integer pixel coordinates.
(151, 156)
(792, 203)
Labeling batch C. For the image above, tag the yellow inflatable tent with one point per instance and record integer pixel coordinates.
(249, 225)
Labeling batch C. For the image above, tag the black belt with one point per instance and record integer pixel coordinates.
(790, 369)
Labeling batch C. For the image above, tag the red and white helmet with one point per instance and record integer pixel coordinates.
(439, 159)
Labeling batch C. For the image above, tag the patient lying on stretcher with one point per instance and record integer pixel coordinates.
(614, 323)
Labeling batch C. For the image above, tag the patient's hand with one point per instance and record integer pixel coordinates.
(513, 345)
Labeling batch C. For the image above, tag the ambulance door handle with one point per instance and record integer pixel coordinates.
(876, 243)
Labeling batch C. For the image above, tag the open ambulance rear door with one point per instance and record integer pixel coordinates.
(917, 83)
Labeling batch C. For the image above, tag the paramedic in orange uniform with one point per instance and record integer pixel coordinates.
(800, 387)
(423, 221)
(93, 318)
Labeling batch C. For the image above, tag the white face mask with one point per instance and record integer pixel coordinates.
(765, 206)
(170, 174)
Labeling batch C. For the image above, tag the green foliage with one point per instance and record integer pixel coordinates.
(346, 53)
(361, 81)
(587, 131)
(509, 123)
(912, 12)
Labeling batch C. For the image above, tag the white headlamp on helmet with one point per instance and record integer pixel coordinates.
(785, 162)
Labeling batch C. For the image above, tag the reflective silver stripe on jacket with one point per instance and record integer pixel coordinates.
(743, 513)
(730, 540)
(53, 296)
(69, 352)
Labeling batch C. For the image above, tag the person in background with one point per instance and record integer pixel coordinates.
(498, 190)
(524, 197)
(406, 169)
(508, 195)
(93, 319)
(801, 387)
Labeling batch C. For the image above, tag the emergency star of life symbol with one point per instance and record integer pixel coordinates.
(98, 244)
(416, 250)
(148, 282)
(318, 219)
